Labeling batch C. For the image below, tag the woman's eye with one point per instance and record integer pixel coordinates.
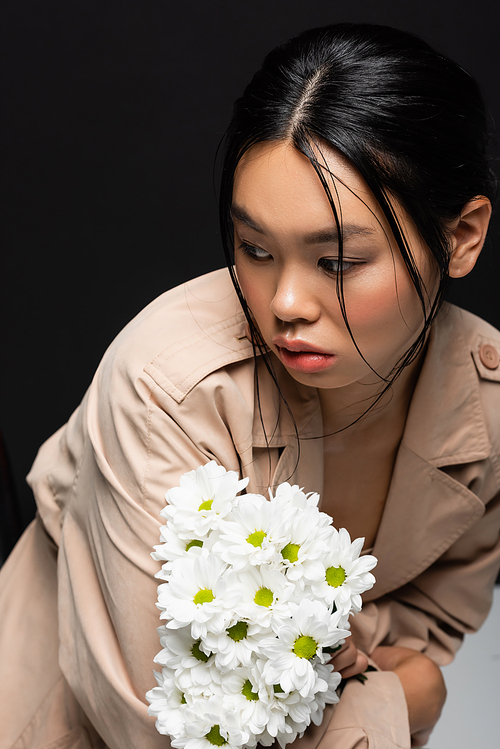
(256, 253)
(333, 265)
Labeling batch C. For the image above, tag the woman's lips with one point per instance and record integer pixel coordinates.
(304, 359)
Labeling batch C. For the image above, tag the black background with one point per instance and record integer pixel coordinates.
(112, 116)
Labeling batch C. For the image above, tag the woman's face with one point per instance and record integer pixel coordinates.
(286, 256)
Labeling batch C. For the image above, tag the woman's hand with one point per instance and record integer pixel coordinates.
(349, 661)
(423, 685)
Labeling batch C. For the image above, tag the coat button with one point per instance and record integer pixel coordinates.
(489, 356)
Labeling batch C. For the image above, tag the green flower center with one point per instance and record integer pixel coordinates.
(256, 538)
(290, 552)
(305, 647)
(183, 700)
(194, 542)
(335, 576)
(214, 736)
(204, 595)
(198, 653)
(264, 597)
(247, 691)
(238, 631)
(207, 505)
(277, 689)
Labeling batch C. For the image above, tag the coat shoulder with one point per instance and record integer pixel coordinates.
(184, 335)
(481, 339)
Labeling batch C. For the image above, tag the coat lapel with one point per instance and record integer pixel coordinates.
(427, 510)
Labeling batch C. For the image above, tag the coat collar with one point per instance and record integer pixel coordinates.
(445, 423)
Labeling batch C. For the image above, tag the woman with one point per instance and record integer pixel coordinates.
(355, 182)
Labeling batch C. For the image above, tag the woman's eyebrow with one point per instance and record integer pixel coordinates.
(239, 214)
(327, 236)
(323, 236)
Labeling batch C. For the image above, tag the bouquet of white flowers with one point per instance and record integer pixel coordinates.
(257, 595)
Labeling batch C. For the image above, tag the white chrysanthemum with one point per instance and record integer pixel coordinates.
(284, 736)
(265, 596)
(299, 641)
(176, 545)
(346, 574)
(191, 684)
(200, 594)
(180, 648)
(296, 732)
(236, 645)
(253, 535)
(277, 711)
(250, 585)
(280, 727)
(209, 723)
(281, 704)
(168, 703)
(241, 689)
(327, 694)
(296, 711)
(306, 544)
(204, 496)
(292, 497)
(193, 664)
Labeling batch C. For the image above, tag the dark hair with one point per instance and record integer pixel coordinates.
(411, 121)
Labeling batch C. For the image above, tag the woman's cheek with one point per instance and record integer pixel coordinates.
(255, 293)
(383, 315)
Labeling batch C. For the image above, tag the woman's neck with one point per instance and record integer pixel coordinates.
(357, 406)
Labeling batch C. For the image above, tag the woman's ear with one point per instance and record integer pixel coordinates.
(467, 235)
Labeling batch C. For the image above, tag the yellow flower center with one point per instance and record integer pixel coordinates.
(198, 653)
(238, 631)
(194, 542)
(247, 691)
(214, 736)
(207, 505)
(305, 647)
(204, 595)
(264, 597)
(335, 576)
(290, 552)
(256, 538)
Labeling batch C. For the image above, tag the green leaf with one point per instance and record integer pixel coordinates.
(329, 649)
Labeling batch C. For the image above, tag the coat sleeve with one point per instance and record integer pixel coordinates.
(100, 484)
(450, 599)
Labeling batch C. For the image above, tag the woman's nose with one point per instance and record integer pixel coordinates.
(294, 300)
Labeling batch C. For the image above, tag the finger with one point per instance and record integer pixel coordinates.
(420, 738)
(345, 658)
(358, 667)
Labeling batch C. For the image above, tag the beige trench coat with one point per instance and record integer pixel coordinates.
(175, 389)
